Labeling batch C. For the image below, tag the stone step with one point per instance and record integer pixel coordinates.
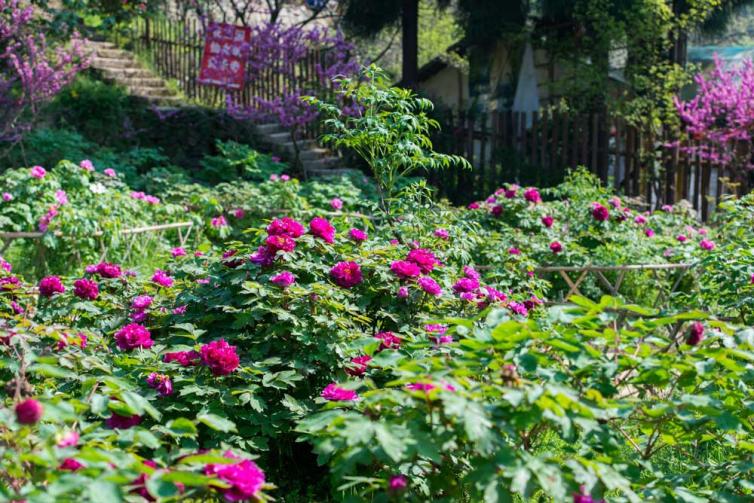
(313, 154)
(99, 44)
(107, 53)
(151, 91)
(141, 82)
(281, 138)
(126, 73)
(269, 128)
(332, 172)
(320, 164)
(115, 64)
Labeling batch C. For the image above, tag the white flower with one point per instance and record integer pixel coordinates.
(98, 188)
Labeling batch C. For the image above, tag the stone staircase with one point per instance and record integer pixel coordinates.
(121, 67)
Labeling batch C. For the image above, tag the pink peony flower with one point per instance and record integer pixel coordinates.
(38, 172)
(61, 197)
(405, 270)
(430, 286)
(284, 279)
(118, 422)
(280, 242)
(336, 204)
(667, 208)
(397, 483)
(707, 244)
(219, 221)
(138, 195)
(152, 199)
(556, 247)
(334, 393)
(141, 302)
(649, 233)
(133, 336)
(470, 272)
(161, 383)
(402, 292)
(466, 285)
(220, 357)
(69, 439)
(285, 178)
(346, 274)
(681, 238)
(511, 191)
(600, 213)
(183, 358)
(286, 226)
(640, 219)
(519, 309)
(7, 196)
(547, 221)
(70, 464)
(357, 235)
(245, 479)
(442, 234)
(615, 202)
(321, 228)
(358, 365)
(110, 172)
(29, 411)
(86, 165)
(696, 334)
(421, 386)
(389, 340)
(180, 310)
(178, 251)
(514, 251)
(238, 213)
(50, 286)
(107, 270)
(85, 289)
(532, 195)
(262, 257)
(425, 259)
(161, 278)
(473, 206)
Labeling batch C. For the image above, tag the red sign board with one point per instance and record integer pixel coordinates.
(226, 50)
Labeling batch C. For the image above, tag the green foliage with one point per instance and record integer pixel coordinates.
(390, 130)
(236, 161)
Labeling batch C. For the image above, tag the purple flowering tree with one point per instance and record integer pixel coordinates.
(719, 120)
(31, 70)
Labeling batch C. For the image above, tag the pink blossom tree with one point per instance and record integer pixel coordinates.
(32, 71)
(719, 120)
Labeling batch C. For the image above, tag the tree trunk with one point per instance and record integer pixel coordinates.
(410, 21)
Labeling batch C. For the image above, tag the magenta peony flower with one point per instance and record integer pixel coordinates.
(519, 309)
(336, 204)
(358, 365)
(38, 172)
(280, 242)
(397, 483)
(556, 247)
(430, 286)
(752, 279)
(245, 478)
(707, 244)
(425, 259)
(681, 238)
(284, 279)
(29, 411)
(107, 270)
(357, 235)
(183, 358)
(220, 357)
(286, 226)
(547, 221)
(402, 292)
(600, 213)
(640, 219)
(442, 234)
(497, 210)
(473, 206)
(649, 233)
(69, 439)
(532, 195)
(50, 286)
(70, 465)
(178, 251)
(110, 172)
(161, 278)
(405, 270)
(466, 285)
(346, 274)
(161, 383)
(141, 302)
(180, 310)
(334, 393)
(511, 191)
(219, 221)
(321, 228)
(7, 196)
(389, 340)
(584, 497)
(86, 165)
(133, 336)
(514, 251)
(118, 422)
(85, 289)
(696, 334)
(470, 272)
(667, 208)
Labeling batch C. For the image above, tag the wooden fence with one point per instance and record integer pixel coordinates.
(538, 148)
(175, 49)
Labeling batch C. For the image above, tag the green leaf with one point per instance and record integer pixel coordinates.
(103, 491)
(217, 423)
